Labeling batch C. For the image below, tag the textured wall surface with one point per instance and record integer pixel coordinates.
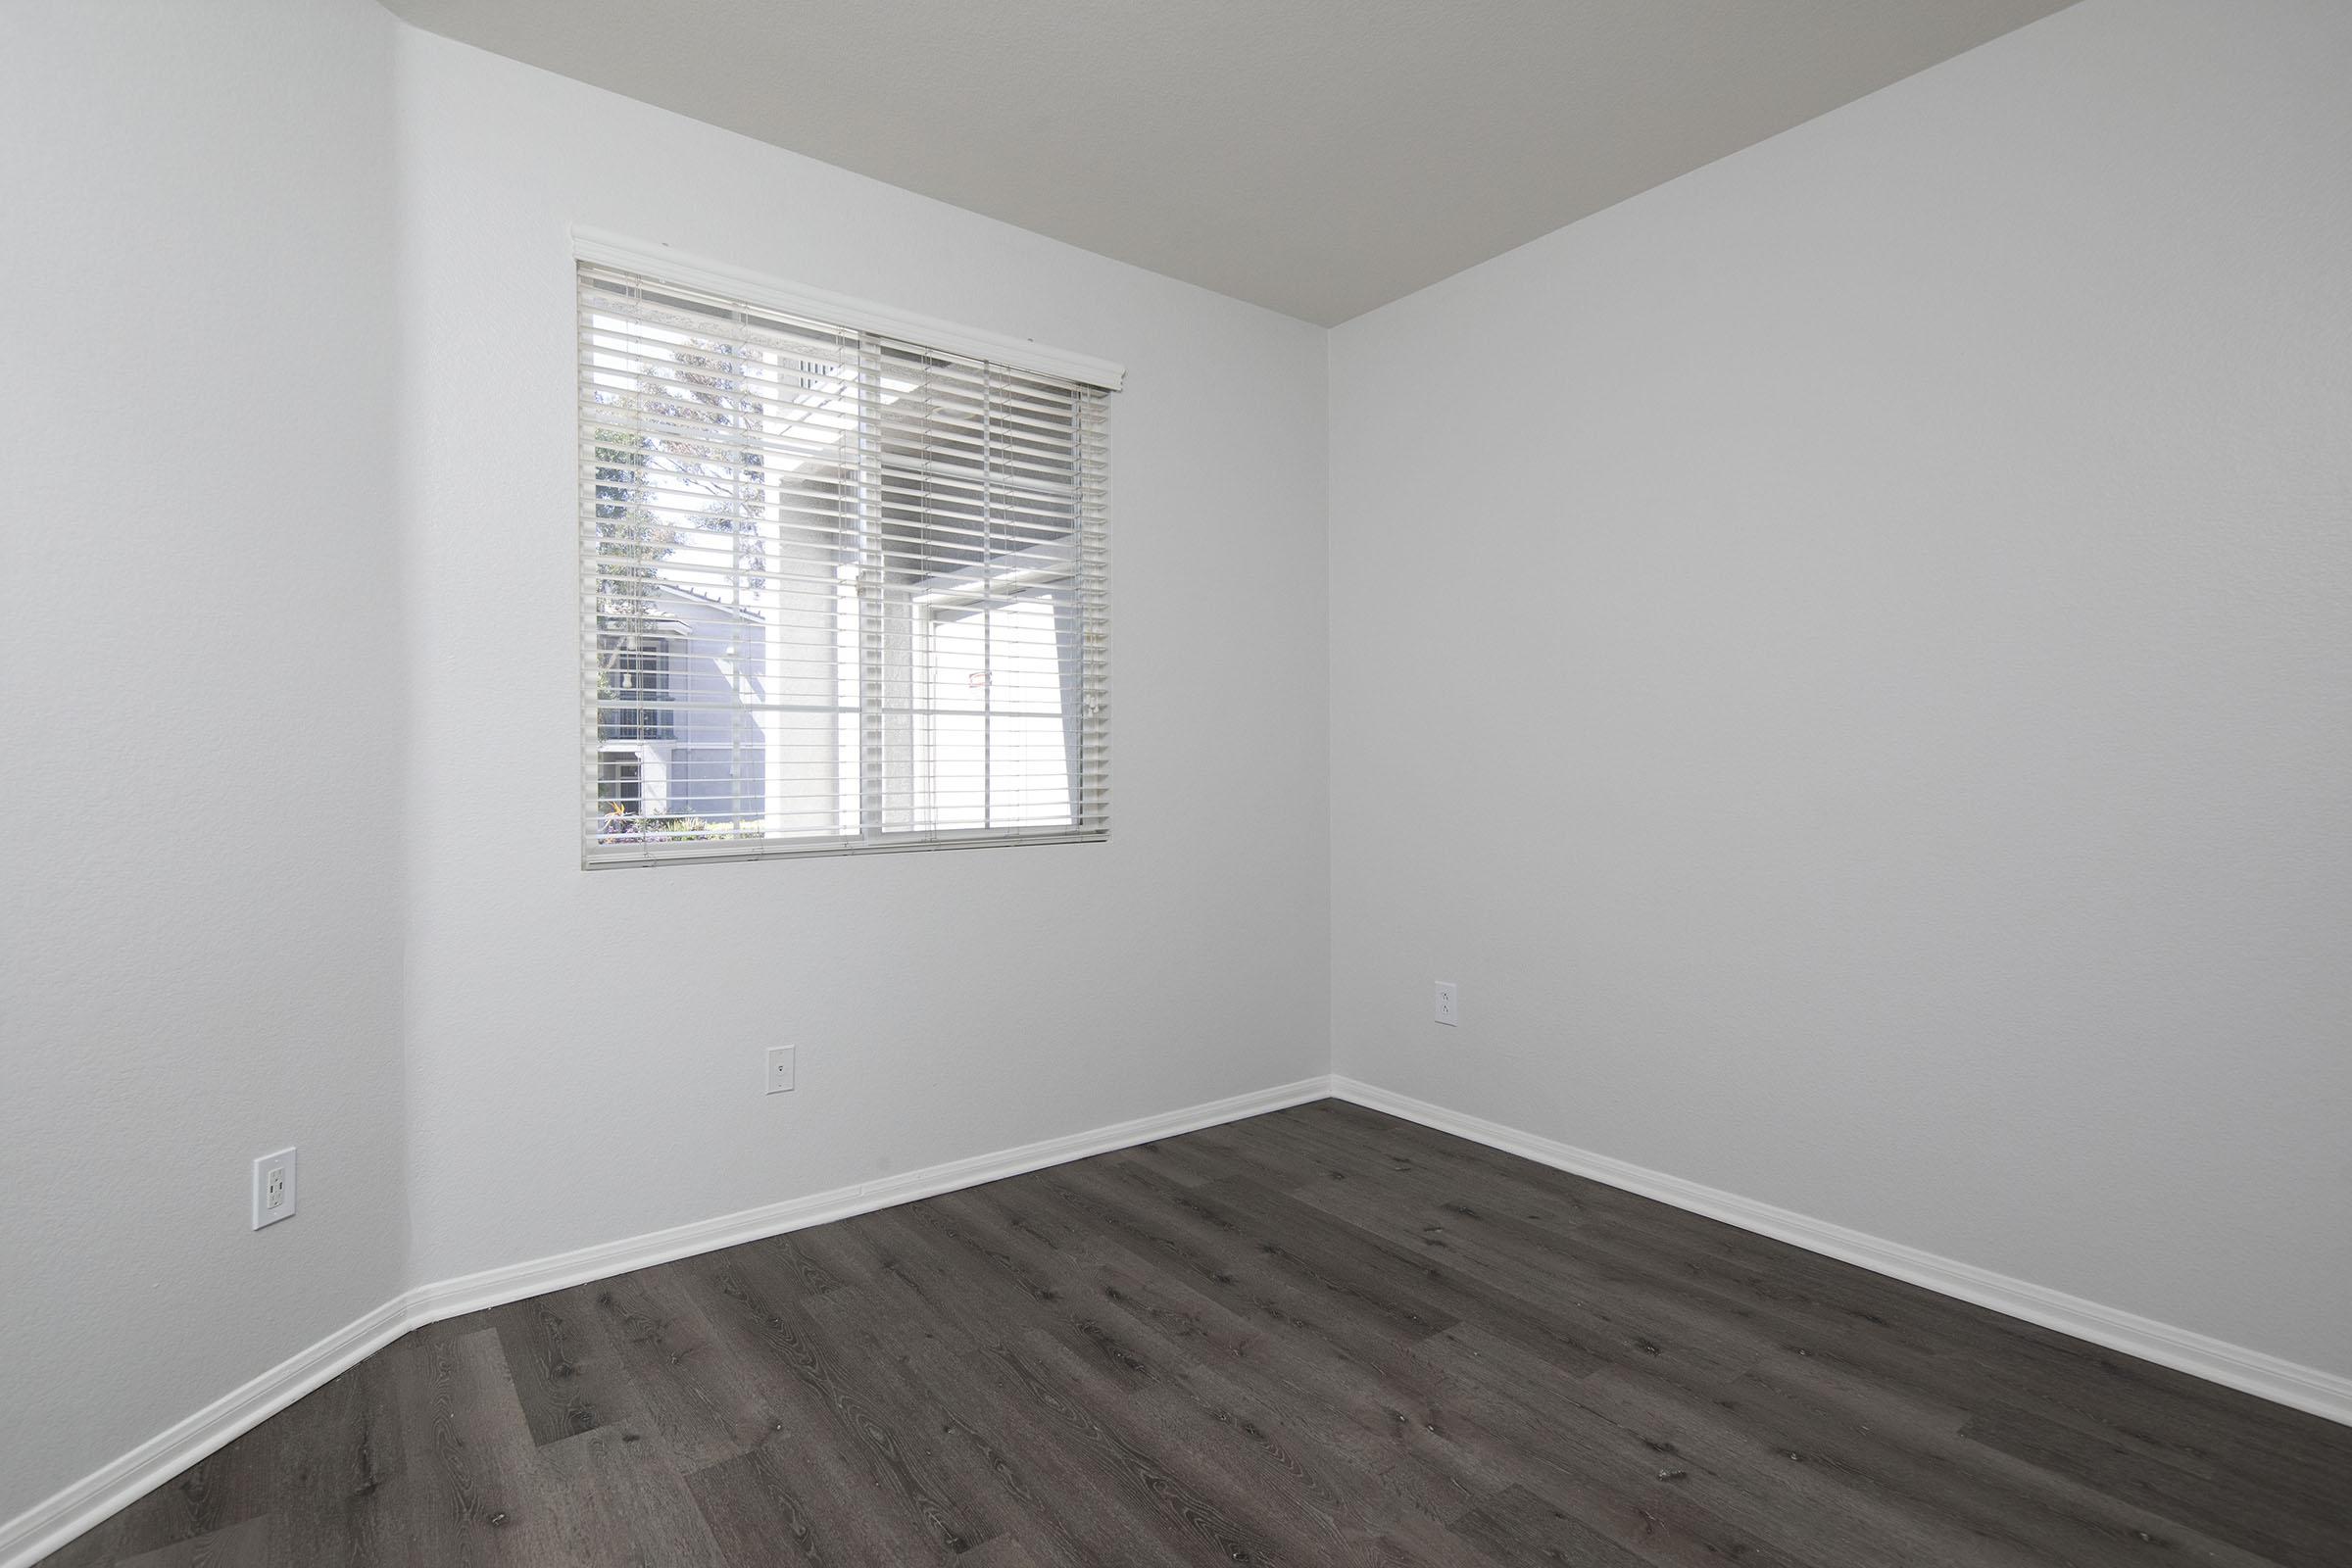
(585, 1049)
(200, 934)
(1847, 660)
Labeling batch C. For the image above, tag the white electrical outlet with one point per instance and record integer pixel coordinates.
(273, 1188)
(779, 1069)
(1447, 1011)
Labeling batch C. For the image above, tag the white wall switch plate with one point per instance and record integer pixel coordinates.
(273, 1188)
(1447, 1011)
(779, 1069)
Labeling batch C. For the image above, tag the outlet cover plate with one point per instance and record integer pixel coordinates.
(274, 1189)
(1448, 1011)
(779, 1069)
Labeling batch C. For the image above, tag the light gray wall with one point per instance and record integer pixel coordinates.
(199, 933)
(1846, 659)
(584, 1058)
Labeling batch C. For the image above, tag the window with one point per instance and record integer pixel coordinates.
(632, 684)
(841, 590)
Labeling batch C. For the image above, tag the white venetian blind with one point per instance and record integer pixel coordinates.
(839, 591)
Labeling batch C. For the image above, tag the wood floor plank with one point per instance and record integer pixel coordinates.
(684, 1381)
(756, 1517)
(1003, 1552)
(1322, 1337)
(569, 1376)
(1222, 1428)
(626, 1504)
(1520, 1527)
(251, 1543)
(1309, 1257)
(1538, 1431)
(822, 1489)
(1228, 1269)
(772, 1330)
(1917, 1457)
(1219, 1152)
(1771, 1492)
(474, 1489)
(1058, 1497)
(1614, 1315)
(2293, 1524)
(1447, 1296)
(1070, 1408)
(1322, 1390)
(1663, 1526)
(1316, 1154)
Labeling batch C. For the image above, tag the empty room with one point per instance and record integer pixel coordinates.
(1038, 784)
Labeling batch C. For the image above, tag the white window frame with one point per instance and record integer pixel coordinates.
(760, 291)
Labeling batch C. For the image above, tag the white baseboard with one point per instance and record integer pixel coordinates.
(50, 1524)
(2269, 1377)
(431, 1303)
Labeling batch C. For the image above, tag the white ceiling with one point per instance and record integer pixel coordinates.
(1321, 156)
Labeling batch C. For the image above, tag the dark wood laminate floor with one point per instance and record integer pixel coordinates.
(1318, 1337)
